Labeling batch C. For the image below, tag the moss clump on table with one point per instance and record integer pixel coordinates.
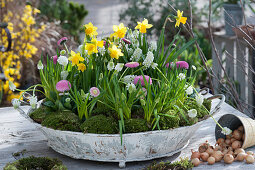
(136, 125)
(40, 163)
(169, 120)
(201, 112)
(183, 164)
(100, 124)
(64, 120)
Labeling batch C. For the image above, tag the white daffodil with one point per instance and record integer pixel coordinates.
(199, 99)
(181, 76)
(119, 67)
(33, 101)
(192, 113)
(110, 66)
(189, 90)
(12, 86)
(40, 65)
(131, 87)
(62, 60)
(226, 131)
(64, 74)
(15, 103)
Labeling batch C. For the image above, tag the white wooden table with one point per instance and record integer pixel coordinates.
(17, 134)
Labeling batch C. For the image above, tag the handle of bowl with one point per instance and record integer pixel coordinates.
(217, 107)
(204, 91)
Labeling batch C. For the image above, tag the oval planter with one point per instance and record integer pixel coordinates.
(136, 146)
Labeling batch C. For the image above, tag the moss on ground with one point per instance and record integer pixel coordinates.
(136, 125)
(183, 164)
(169, 120)
(64, 120)
(38, 115)
(39, 163)
(100, 124)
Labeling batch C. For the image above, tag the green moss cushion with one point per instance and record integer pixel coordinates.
(39, 114)
(100, 124)
(169, 120)
(38, 163)
(65, 120)
(136, 125)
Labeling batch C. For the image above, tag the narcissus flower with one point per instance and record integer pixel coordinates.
(181, 76)
(192, 113)
(15, 103)
(110, 66)
(90, 30)
(62, 41)
(189, 90)
(143, 26)
(119, 67)
(182, 64)
(132, 64)
(94, 92)
(180, 18)
(119, 30)
(141, 80)
(81, 67)
(92, 47)
(131, 87)
(115, 52)
(75, 58)
(63, 85)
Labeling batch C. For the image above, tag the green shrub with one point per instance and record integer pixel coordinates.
(64, 120)
(100, 124)
(135, 125)
(32, 162)
(70, 14)
(169, 120)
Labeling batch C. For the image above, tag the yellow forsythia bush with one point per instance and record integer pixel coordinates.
(24, 31)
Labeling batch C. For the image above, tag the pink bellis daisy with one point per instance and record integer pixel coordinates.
(140, 78)
(62, 41)
(63, 85)
(94, 91)
(182, 64)
(132, 64)
(55, 59)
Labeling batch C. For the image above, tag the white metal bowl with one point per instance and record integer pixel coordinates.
(107, 147)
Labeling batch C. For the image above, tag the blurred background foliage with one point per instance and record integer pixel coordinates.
(156, 11)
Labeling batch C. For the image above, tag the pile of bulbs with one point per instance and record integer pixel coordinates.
(228, 150)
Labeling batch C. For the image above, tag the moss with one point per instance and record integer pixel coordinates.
(207, 104)
(169, 120)
(64, 120)
(32, 162)
(135, 125)
(38, 115)
(183, 164)
(100, 124)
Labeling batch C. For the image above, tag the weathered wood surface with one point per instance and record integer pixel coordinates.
(17, 133)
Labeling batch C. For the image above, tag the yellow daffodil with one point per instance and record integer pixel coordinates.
(81, 67)
(180, 18)
(75, 58)
(119, 30)
(90, 30)
(115, 52)
(92, 47)
(142, 26)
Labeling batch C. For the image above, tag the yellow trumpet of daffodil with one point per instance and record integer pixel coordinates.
(119, 30)
(143, 26)
(75, 58)
(180, 18)
(90, 30)
(115, 52)
(92, 47)
(81, 67)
